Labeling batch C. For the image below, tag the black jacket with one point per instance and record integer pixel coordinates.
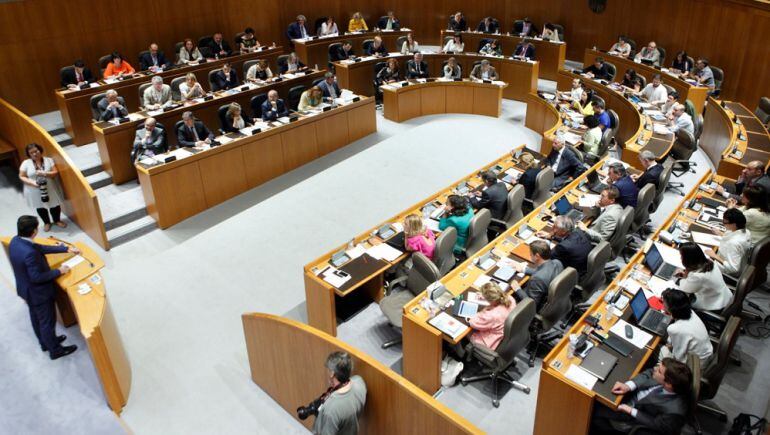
(602, 73)
(569, 164)
(494, 198)
(216, 48)
(527, 180)
(223, 82)
(145, 61)
(411, 70)
(650, 176)
(68, 77)
(457, 26)
(573, 251)
(186, 138)
(340, 54)
(493, 27)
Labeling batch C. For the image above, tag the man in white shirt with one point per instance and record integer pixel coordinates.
(655, 93)
(679, 119)
(735, 243)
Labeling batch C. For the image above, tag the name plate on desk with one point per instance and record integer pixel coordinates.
(457, 79)
(327, 108)
(405, 84)
(208, 98)
(293, 118)
(123, 120)
(278, 79)
(244, 88)
(487, 81)
(255, 131)
(169, 159)
(356, 99)
(358, 59)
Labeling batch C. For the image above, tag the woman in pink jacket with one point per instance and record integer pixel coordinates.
(417, 238)
(489, 324)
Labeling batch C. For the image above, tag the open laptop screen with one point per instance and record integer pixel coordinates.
(639, 305)
(563, 206)
(653, 259)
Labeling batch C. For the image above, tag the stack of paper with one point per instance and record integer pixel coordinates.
(589, 200)
(335, 277)
(581, 377)
(384, 252)
(448, 325)
(640, 338)
(705, 238)
(661, 129)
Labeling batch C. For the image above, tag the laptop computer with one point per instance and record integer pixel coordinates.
(397, 241)
(599, 363)
(648, 318)
(654, 260)
(593, 183)
(564, 208)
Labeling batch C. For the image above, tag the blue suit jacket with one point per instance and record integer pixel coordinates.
(573, 251)
(294, 31)
(268, 114)
(34, 279)
(325, 88)
(629, 193)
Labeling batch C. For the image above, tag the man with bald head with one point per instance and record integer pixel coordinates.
(153, 60)
(274, 107)
(649, 55)
(149, 140)
(752, 175)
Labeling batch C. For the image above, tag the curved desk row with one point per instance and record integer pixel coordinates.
(521, 76)
(316, 51)
(696, 94)
(549, 54)
(410, 99)
(115, 141)
(93, 313)
(732, 137)
(185, 187)
(75, 105)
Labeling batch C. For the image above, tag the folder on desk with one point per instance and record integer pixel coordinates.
(448, 325)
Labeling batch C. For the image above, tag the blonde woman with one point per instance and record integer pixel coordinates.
(357, 23)
(234, 119)
(191, 89)
(452, 69)
(310, 99)
(527, 179)
(259, 72)
(489, 323)
(418, 238)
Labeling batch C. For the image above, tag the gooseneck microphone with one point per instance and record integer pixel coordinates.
(90, 263)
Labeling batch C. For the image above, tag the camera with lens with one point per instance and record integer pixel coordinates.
(303, 412)
(42, 183)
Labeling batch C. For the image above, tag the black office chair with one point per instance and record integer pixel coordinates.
(400, 43)
(176, 128)
(377, 92)
(295, 93)
(715, 370)
(662, 52)
(256, 105)
(684, 146)
(203, 46)
(333, 50)
(517, 24)
(557, 307)
(661, 186)
(237, 40)
(317, 81)
(719, 77)
(366, 44)
(642, 80)
(222, 115)
(632, 43)
(763, 110)
(103, 62)
(94, 102)
(483, 43)
(212, 84)
(71, 69)
(612, 69)
(318, 22)
(177, 48)
(282, 60)
(141, 53)
(176, 94)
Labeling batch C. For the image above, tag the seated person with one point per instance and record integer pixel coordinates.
(575, 92)
(649, 54)
(154, 60)
(292, 65)
(417, 68)
(629, 78)
(219, 47)
(357, 23)
(328, 27)
(493, 196)
(525, 50)
(686, 332)
(657, 399)
(550, 33)
(528, 178)
(454, 45)
(418, 238)
(118, 67)
(584, 104)
(329, 86)
(225, 78)
(78, 76)
(157, 95)
(621, 48)
(752, 175)
(452, 70)
(702, 279)
(668, 106)
(524, 27)
(377, 48)
(273, 108)
(604, 118)
(488, 324)
(619, 178)
(572, 244)
(247, 42)
(564, 162)
(544, 271)
(389, 22)
(457, 22)
(652, 170)
(680, 119)
(389, 73)
(491, 48)
(703, 74)
(344, 52)
(488, 25)
(191, 89)
(259, 72)
(149, 140)
(234, 119)
(756, 209)
(458, 214)
(310, 99)
(604, 226)
(681, 64)
(297, 29)
(189, 52)
(598, 70)
(110, 106)
(592, 138)
(193, 133)
(410, 46)
(655, 93)
(484, 71)
(734, 245)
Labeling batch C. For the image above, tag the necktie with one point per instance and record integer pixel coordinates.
(80, 77)
(418, 68)
(194, 134)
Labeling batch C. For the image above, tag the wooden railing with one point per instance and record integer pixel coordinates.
(80, 203)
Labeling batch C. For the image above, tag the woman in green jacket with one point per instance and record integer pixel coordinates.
(458, 215)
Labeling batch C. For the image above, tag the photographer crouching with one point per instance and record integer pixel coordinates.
(338, 409)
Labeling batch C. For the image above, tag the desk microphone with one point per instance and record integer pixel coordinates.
(90, 263)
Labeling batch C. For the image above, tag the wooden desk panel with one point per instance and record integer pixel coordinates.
(487, 101)
(362, 121)
(173, 196)
(560, 401)
(223, 176)
(316, 51)
(299, 146)
(459, 99)
(332, 134)
(407, 105)
(544, 118)
(263, 160)
(420, 99)
(433, 101)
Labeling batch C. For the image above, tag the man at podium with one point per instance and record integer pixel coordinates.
(34, 284)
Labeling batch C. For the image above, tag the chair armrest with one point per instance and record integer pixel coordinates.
(498, 222)
(395, 283)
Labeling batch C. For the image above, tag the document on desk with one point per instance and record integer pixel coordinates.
(356, 252)
(384, 252)
(661, 129)
(640, 338)
(581, 377)
(588, 200)
(431, 224)
(571, 138)
(657, 285)
(180, 153)
(448, 325)
(670, 255)
(74, 261)
(705, 238)
(335, 277)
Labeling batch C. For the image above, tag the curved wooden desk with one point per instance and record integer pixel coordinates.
(75, 105)
(316, 51)
(544, 118)
(520, 76)
(550, 54)
(410, 99)
(287, 362)
(97, 323)
(696, 94)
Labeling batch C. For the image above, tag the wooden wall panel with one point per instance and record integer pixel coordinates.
(41, 36)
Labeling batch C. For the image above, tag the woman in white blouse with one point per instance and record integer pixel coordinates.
(757, 212)
(41, 186)
(686, 333)
(328, 28)
(735, 243)
(259, 72)
(409, 46)
(191, 89)
(621, 48)
(189, 52)
(550, 33)
(452, 69)
(455, 45)
(701, 278)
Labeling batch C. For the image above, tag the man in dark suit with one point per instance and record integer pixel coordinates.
(540, 277)
(493, 197)
(154, 60)
(389, 22)
(34, 284)
(598, 70)
(652, 170)
(564, 162)
(111, 106)
(219, 47)
(488, 25)
(572, 244)
(619, 177)
(225, 78)
(752, 175)
(77, 76)
(297, 29)
(343, 52)
(193, 133)
(329, 86)
(274, 107)
(417, 68)
(657, 399)
(457, 22)
(525, 49)
(524, 27)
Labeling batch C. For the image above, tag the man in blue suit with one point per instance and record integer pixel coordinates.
(625, 185)
(34, 284)
(297, 29)
(274, 107)
(564, 162)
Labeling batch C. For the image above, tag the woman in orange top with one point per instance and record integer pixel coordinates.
(118, 67)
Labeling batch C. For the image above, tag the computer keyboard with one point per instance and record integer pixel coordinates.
(652, 318)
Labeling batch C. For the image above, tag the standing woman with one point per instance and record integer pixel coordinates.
(41, 186)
